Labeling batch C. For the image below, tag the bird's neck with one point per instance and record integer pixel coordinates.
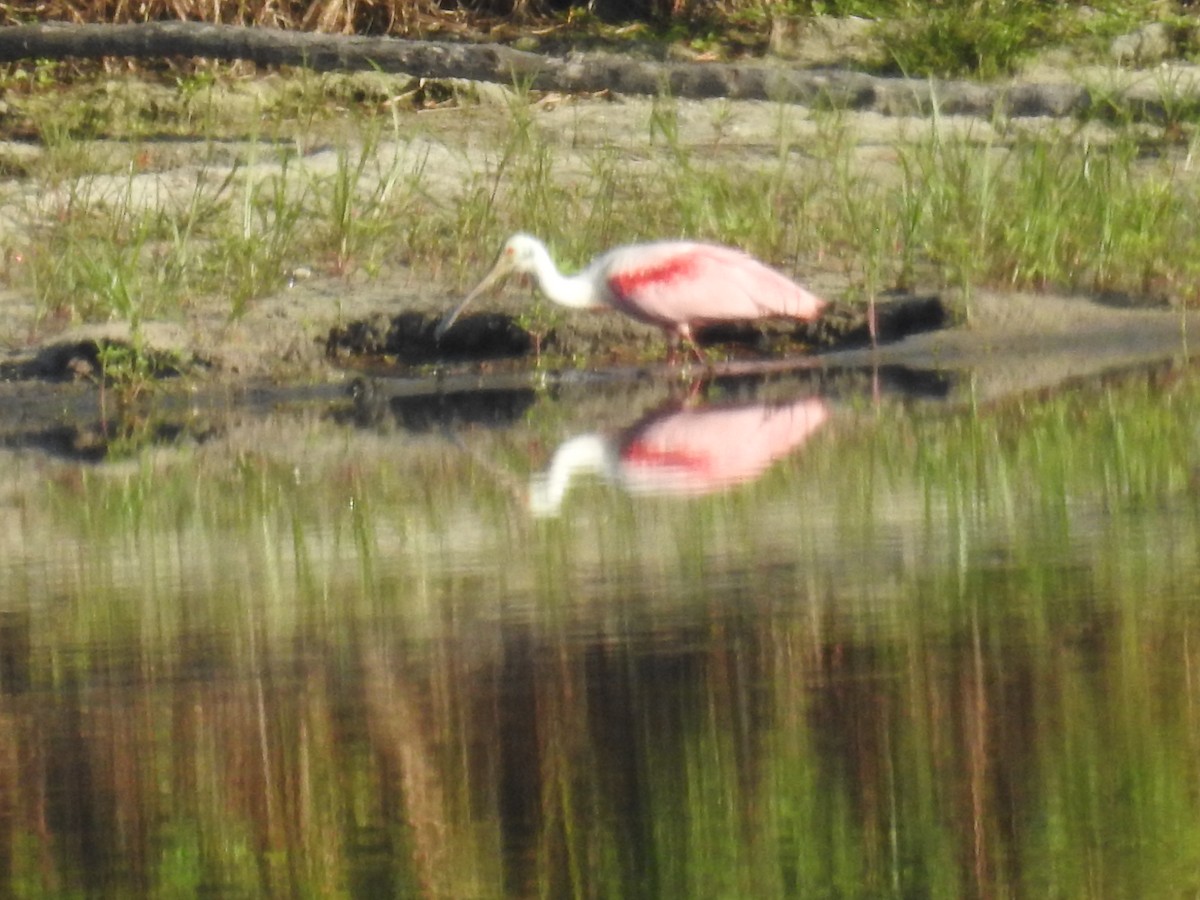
(575, 291)
(582, 453)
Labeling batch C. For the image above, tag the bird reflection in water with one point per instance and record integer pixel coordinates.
(682, 450)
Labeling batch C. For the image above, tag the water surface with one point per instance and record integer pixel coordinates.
(823, 633)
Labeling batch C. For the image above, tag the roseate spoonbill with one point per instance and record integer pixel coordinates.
(682, 451)
(675, 285)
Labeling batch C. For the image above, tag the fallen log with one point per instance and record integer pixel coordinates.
(577, 72)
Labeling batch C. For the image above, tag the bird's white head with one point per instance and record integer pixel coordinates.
(521, 253)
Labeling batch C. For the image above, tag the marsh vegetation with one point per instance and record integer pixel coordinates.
(267, 183)
(303, 642)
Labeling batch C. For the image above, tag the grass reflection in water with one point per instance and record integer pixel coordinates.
(934, 652)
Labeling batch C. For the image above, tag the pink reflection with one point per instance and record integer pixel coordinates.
(682, 452)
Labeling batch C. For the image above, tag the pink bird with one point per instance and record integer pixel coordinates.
(675, 285)
(684, 452)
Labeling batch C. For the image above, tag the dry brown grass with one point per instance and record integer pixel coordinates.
(330, 16)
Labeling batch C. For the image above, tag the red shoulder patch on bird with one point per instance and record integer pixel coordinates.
(639, 454)
(627, 282)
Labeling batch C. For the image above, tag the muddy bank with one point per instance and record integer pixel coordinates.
(330, 322)
(1013, 345)
(1020, 339)
(409, 339)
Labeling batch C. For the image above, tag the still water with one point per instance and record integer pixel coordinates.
(793, 635)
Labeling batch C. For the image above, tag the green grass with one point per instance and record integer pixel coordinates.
(991, 38)
(978, 39)
(1100, 209)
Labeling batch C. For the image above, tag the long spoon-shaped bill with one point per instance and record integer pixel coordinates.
(499, 270)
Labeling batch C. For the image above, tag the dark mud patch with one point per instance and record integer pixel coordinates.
(112, 352)
(409, 339)
(844, 326)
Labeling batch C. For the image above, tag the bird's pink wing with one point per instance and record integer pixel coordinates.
(676, 283)
(698, 451)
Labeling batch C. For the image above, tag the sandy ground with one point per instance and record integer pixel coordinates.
(1019, 340)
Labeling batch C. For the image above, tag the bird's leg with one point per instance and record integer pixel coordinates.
(685, 332)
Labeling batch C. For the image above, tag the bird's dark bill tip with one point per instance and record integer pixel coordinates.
(445, 323)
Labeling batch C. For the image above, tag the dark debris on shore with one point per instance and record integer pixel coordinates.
(408, 339)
